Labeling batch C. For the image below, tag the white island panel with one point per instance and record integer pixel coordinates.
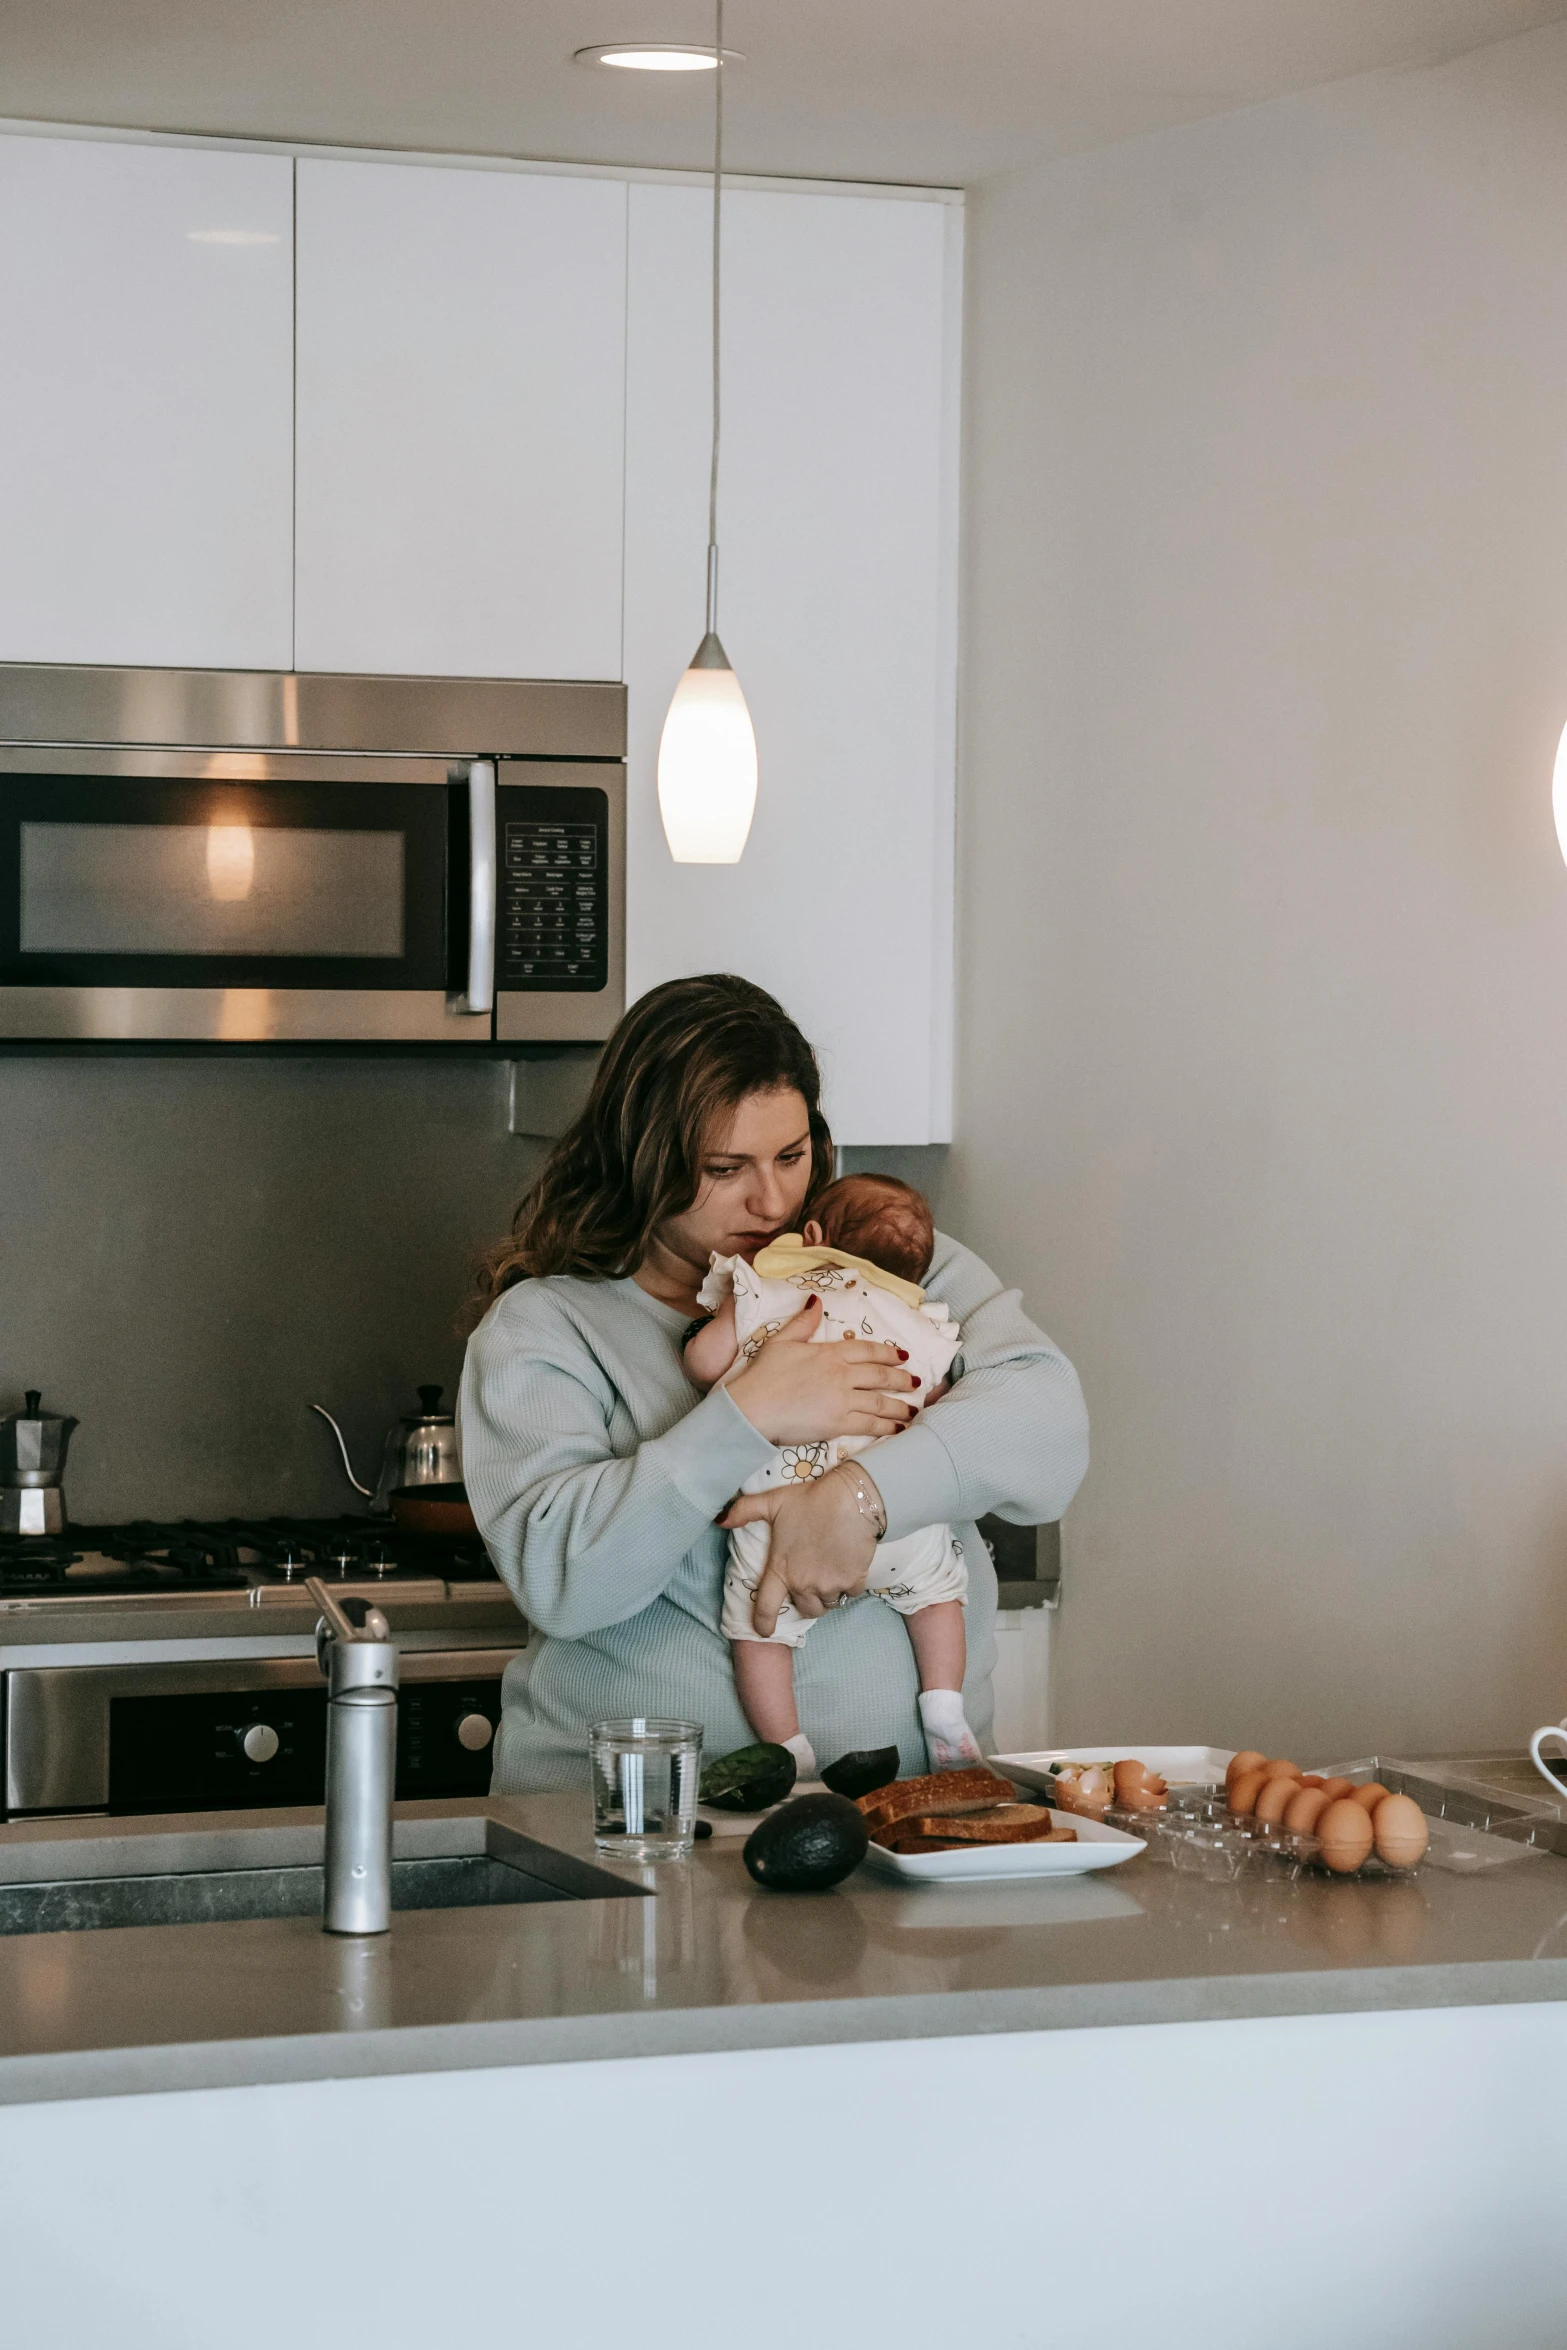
(1398, 2179)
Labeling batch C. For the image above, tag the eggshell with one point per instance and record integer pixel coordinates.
(1137, 1788)
(1274, 1798)
(1244, 1792)
(1249, 1759)
(1338, 1787)
(1304, 1810)
(1344, 1832)
(1398, 1826)
(1279, 1769)
(1369, 1796)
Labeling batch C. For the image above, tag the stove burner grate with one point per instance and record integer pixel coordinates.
(196, 1555)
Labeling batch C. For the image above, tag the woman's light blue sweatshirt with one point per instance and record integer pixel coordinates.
(595, 1473)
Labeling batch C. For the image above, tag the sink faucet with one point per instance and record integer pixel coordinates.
(361, 1764)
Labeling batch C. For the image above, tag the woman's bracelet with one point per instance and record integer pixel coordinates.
(866, 1498)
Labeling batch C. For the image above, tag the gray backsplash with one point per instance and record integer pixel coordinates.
(193, 1251)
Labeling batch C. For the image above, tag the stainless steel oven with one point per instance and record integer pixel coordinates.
(198, 858)
(231, 1734)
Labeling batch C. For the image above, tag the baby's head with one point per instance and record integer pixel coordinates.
(878, 1218)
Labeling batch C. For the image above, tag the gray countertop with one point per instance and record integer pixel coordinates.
(711, 1962)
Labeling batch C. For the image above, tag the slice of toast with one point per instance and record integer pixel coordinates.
(1008, 1824)
(939, 1790)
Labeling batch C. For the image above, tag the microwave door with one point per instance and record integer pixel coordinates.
(219, 910)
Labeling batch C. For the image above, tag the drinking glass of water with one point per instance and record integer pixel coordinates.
(644, 1787)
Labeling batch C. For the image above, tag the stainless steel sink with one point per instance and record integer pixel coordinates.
(223, 1878)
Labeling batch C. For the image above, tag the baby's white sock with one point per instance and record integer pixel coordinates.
(804, 1754)
(949, 1741)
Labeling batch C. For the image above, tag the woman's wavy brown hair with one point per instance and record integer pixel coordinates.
(683, 1055)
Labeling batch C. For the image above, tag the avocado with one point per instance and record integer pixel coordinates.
(860, 1773)
(749, 1779)
(807, 1845)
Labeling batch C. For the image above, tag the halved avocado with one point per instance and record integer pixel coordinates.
(749, 1779)
(860, 1773)
(807, 1845)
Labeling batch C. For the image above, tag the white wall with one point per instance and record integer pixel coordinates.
(1263, 928)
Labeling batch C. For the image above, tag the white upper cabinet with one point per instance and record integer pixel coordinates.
(146, 404)
(836, 606)
(461, 391)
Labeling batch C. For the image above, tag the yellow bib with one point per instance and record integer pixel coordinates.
(787, 1256)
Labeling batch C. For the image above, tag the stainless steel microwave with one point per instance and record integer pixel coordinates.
(196, 857)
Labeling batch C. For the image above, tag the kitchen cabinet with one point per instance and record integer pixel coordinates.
(146, 387)
(461, 391)
(402, 418)
(837, 601)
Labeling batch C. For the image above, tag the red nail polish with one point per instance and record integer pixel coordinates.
(918, 1381)
(903, 1354)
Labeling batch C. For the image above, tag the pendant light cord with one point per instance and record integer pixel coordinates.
(718, 182)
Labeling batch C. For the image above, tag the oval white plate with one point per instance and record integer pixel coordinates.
(1097, 1847)
(1181, 1766)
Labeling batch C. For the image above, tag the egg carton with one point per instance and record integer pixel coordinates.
(1200, 1836)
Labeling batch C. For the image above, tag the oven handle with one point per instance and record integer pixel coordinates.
(480, 993)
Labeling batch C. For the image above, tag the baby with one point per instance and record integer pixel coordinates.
(867, 1243)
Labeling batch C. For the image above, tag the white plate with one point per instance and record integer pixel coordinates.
(1182, 1766)
(1097, 1847)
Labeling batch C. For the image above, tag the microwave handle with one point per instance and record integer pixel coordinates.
(479, 995)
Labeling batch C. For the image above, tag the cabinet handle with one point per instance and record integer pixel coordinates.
(480, 994)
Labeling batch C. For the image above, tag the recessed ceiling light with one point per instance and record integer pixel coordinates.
(654, 56)
(231, 236)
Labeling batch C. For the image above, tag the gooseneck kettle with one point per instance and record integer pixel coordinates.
(420, 1485)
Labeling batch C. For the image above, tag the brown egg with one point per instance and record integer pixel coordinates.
(1398, 1826)
(1304, 1810)
(1279, 1769)
(1344, 1831)
(1273, 1799)
(1338, 1787)
(1313, 1779)
(1244, 1792)
(1369, 1796)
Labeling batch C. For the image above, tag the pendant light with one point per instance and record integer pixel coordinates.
(707, 752)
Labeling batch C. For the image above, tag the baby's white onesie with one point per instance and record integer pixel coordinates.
(916, 1570)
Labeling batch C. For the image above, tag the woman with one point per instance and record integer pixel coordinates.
(598, 1478)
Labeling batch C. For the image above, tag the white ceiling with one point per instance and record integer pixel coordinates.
(940, 91)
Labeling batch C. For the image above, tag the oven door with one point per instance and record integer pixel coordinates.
(232, 1736)
(243, 897)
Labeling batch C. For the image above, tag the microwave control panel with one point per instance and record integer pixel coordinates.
(552, 926)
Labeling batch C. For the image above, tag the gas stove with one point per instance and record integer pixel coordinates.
(172, 1667)
(249, 1562)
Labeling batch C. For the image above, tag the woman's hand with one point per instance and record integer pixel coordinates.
(796, 1393)
(822, 1542)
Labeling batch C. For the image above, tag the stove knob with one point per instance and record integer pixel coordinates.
(475, 1732)
(261, 1742)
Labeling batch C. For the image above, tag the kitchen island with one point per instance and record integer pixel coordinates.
(631, 2102)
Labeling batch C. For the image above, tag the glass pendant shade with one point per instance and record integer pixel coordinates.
(1559, 792)
(707, 763)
